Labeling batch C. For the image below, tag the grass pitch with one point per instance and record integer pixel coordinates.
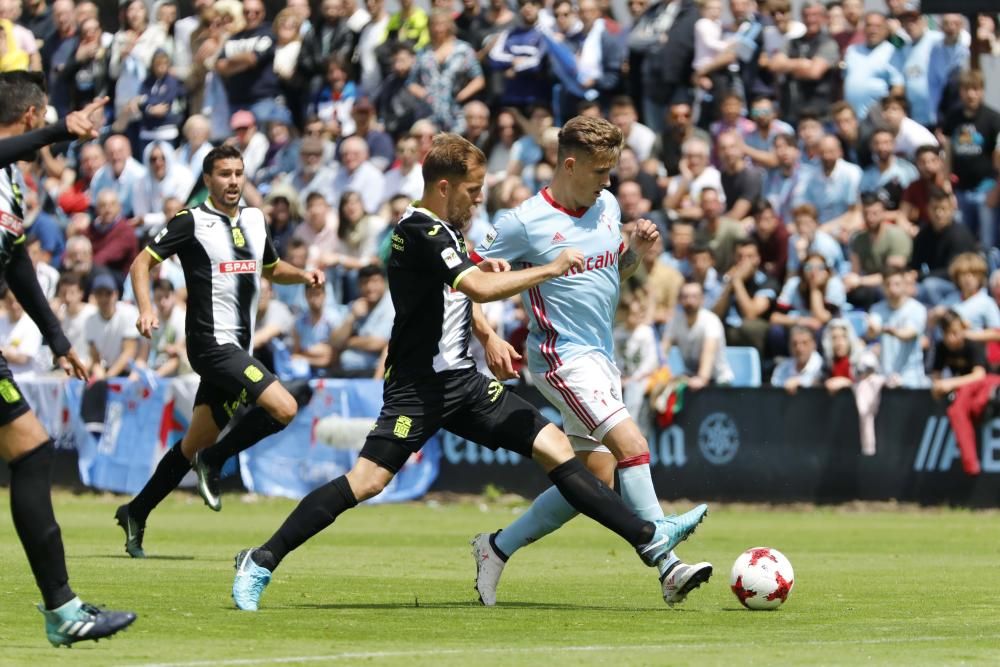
(392, 585)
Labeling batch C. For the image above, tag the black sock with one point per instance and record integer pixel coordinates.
(31, 507)
(246, 432)
(314, 513)
(594, 498)
(168, 474)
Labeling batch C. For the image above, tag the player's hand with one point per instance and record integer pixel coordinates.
(146, 323)
(82, 123)
(644, 236)
(315, 278)
(494, 265)
(500, 358)
(568, 259)
(71, 363)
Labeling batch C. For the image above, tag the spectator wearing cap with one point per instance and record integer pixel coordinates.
(519, 53)
(251, 143)
(120, 172)
(358, 174)
(406, 177)
(936, 245)
(881, 246)
(810, 65)
(932, 175)
(914, 61)
(380, 148)
(197, 132)
(869, 73)
(111, 334)
(889, 173)
(447, 74)
(834, 188)
(363, 335)
(311, 175)
(111, 236)
(165, 179)
(804, 366)
(283, 215)
(971, 133)
(246, 65)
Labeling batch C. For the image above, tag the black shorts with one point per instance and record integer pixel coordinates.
(465, 402)
(12, 403)
(230, 377)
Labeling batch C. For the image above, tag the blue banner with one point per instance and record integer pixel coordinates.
(323, 441)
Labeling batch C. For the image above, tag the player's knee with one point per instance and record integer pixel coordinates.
(368, 483)
(551, 447)
(283, 408)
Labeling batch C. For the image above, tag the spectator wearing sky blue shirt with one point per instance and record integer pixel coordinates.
(913, 61)
(808, 239)
(889, 173)
(948, 57)
(783, 185)
(898, 322)
(869, 74)
(759, 144)
(972, 302)
(364, 334)
(120, 173)
(833, 189)
(311, 334)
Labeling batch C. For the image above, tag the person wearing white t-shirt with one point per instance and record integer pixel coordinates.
(701, 339)
(111, 334)
(697, 173)
(74, 312)
(47, 274)
(638, 137)
(805, 367)
(21, 341)
(408, 177)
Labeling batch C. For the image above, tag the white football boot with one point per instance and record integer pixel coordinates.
(489, 567)
(681, 579)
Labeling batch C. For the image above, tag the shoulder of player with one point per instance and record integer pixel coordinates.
(417, 223)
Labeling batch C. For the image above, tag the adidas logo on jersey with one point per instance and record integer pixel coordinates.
(239, 266)
(558, 238)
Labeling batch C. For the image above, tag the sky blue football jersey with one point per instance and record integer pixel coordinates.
(573, 314)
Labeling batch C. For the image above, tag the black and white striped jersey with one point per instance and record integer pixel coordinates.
(222, 258)
(433, 323)
(11, 213)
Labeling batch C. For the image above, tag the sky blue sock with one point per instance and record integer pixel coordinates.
(639, 494)
(549, 511)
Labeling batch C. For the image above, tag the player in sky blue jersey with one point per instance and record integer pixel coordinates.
(570, 344)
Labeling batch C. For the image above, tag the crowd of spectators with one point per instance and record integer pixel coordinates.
(810, 165)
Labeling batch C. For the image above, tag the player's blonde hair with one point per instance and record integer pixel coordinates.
(451, 156)
(595, 138)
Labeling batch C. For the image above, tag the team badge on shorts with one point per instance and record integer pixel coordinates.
(253, 373)
(494, 390)
(402, 427)
(9, 392)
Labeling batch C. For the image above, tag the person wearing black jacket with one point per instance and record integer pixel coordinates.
(24, 444)
(937, 243)
(666, 66)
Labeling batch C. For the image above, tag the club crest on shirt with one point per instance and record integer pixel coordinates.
(238, 239)
(451, 258)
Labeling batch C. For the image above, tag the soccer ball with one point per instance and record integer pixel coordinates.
(762, 578)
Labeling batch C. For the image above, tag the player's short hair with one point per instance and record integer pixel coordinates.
(594, 137)
(19, 91)
(366, 272)
(968, 262)
(223, 152)
(451, 157)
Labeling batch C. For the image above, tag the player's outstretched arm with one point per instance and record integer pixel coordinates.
(481, 286)
(77, 125)
(283, 273)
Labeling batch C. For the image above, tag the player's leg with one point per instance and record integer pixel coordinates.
(27, 448)
(401, 429)
(248, 381)
(169, 472)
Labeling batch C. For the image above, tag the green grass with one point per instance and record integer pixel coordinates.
(393, 586)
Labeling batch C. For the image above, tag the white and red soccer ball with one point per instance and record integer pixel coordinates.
(762, 578)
